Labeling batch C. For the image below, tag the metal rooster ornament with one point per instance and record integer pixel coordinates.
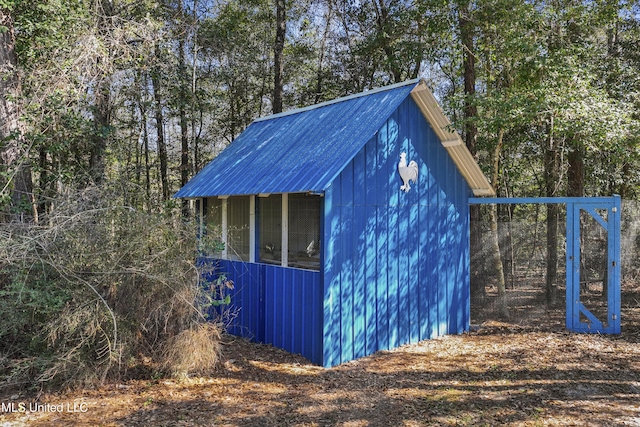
(407, 173)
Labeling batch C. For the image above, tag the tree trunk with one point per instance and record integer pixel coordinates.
(13, 158)
(184, 126)
(142, 94)
(552, 178)
(138, 166)
(101, 130)
(505, 239)
(162, 144)
(44, 183)
(323, 43)
(101, 108)
(470, 139)
(278, 60)
(382, 21)
(503, 309)
(196, 133)
(131, 161)
(147, 162)
(575, 172)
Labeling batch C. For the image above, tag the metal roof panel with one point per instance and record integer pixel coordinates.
(298, 151)
(304, 150)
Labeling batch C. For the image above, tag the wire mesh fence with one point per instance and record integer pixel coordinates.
(533, 293)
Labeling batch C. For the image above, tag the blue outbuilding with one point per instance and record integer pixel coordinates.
(346, 224)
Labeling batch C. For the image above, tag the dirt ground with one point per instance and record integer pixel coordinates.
(498, 374)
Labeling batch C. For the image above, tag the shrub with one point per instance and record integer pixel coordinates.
(94, 289)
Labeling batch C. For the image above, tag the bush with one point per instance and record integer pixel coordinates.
(95, 289)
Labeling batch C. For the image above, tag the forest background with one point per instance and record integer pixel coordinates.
(107, 107)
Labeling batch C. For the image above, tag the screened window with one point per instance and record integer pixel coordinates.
(238, 228)
(304, 231)
(213, 215)
(285, 231)
(211, 231)
(270, 225)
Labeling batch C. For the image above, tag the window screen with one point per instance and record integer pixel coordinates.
(213, 214)
(304, 231)
(304, 228)
(270, 225)
(213, 226)
(238, 228)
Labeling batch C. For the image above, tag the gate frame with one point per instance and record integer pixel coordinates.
(574, 307)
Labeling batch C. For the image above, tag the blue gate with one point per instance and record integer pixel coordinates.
(586, 313)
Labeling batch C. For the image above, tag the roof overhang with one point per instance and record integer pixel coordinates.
(451, 141)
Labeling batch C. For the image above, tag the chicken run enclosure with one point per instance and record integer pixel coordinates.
(578, 287)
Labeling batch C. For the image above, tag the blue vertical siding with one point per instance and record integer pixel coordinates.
(396, 265)
(275, 305)
(368, 216)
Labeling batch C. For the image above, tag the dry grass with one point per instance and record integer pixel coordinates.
(192, 351)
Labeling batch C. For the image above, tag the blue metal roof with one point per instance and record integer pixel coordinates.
(297, 151)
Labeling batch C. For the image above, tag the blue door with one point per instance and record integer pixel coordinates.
(593, 266)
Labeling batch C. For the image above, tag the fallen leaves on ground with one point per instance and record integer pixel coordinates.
(499, 374)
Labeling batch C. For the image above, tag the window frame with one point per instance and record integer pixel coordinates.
(254, 224)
